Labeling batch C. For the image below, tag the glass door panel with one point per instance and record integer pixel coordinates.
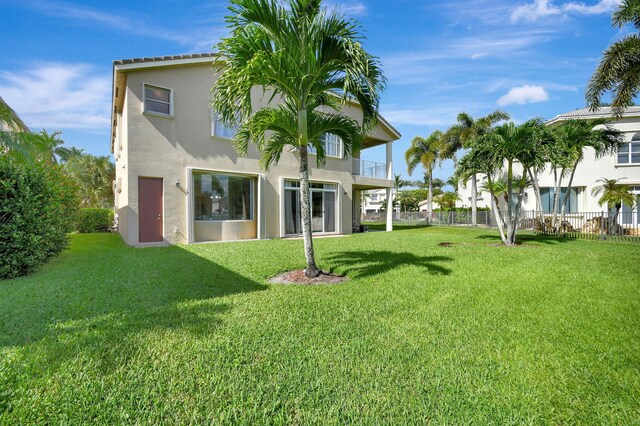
(329, 211)
(292, 216)
(316, 212)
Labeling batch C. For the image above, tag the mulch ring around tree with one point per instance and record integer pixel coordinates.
(297, 277)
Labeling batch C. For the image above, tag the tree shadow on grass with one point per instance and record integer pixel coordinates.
(529, 238)
(396, 226)
(100, 299)
(360, 264)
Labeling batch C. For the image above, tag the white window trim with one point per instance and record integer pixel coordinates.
(213, 128)
(628, 164)
(338, 191)
(340, 155)
(154, 113)
(254, 188)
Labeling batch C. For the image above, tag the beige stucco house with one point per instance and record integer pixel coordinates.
(624, 165)
(180, 180)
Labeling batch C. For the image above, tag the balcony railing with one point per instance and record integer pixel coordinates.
(369, 169)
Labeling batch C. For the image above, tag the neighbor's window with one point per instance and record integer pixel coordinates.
(219, 129)
(547, 195)
(331, 145)
(158, 100)
(222, 197)
(629, 152)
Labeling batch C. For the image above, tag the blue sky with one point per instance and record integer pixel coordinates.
(531, 58)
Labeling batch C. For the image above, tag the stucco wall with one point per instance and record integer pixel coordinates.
(169, 147)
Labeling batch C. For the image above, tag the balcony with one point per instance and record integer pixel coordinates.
(369, 169)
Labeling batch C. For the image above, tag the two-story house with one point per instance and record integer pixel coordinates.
(624, 165)
(180, 180)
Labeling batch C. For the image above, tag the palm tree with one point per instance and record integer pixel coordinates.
(447, 200)
(571, 139)
(460, 135)
(617, 71)
(313, 61)
(506, 144)
(425, 152)
(614, 194)
(94, 176)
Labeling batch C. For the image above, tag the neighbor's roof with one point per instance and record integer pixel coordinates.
(163, 58)
(602, 112)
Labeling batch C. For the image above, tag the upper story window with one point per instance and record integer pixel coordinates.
(629, 152)
(158, 100)
(218, 128)
(332, 144)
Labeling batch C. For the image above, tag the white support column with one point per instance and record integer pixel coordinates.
(389, 190)
(260, 225)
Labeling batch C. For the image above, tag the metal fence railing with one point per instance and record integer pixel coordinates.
(625, 226)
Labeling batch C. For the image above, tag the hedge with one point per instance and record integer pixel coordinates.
(94, 220)
(37, 211)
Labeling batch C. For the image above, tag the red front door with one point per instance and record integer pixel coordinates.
(150, 207)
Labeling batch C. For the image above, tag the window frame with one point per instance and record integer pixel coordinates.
(213, 128)
(634, 141)
(155, 113)
(252, 196)
(311, 150)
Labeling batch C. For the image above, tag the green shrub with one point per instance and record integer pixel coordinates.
(37, 211)
(94, 220)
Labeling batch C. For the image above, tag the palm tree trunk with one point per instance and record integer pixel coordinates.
(497, 213)
(556, 197)
(510, 217)
(567, 194)
(474, 200)
(536, 190)
(430, 198)
(305, 209)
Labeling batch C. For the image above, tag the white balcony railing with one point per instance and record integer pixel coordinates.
(369, 169)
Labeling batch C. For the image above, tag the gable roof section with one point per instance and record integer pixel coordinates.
(586, 113)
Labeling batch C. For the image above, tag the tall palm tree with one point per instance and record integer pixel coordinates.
(617, 71)
(425, 152)
(506, 144)
(460, 135)
(447, 200)
(94, 175)
(571, 139)
(312, 60)
(613, 195)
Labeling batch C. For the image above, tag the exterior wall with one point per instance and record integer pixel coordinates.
(588, 171)
(171, 147)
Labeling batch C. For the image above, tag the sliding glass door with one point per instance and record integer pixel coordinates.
(323, 208)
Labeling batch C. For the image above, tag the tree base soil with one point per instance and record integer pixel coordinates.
(298, 277)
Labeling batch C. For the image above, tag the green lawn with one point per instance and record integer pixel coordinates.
(547, 332)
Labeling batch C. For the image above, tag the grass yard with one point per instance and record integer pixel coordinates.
(548, 332)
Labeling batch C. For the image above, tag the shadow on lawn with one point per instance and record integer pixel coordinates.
(358, 264)
(529, 238)
(100, 297)
(396, 226)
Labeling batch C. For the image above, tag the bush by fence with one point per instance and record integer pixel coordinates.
(37, 211)
(94, 220)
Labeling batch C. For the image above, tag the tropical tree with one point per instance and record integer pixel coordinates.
(503, 147)
(570, 140)
(311, 60)
(617, 71)
(461, 135)
(95, 176)
(425, 152)
(447, 200)
(613, 194)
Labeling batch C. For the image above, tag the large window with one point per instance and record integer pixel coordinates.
(332, 144)
(547, 196)
(220, 130)
(222, 197)
(630, 214)
(158, 100)
(629, 152)
(323, 207)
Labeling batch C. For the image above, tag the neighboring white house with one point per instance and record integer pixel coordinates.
(179, 178)
(624, 165)
(373, 200)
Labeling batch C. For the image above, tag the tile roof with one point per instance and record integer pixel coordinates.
(163, 58)
(600, 112)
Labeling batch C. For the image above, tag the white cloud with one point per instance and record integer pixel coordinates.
(524, 95)
(58, 96)
(544, 8)
(355, 8)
